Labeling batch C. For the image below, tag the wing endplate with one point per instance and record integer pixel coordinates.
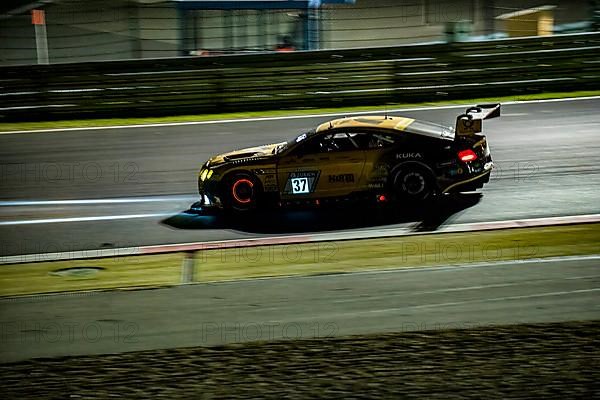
(470, 122)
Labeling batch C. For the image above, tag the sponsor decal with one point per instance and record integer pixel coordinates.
(270, 183)
(300, 185)
(380, 170)
(403, 156)
(341, 178)
(302, 182)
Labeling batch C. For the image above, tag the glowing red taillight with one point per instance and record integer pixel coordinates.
(467, 155)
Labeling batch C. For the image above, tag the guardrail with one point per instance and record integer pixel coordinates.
(329, 78)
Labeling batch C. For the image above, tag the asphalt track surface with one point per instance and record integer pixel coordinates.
(548, 162)
(547, 158)
(300, 307)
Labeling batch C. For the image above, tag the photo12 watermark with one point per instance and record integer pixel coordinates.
(63, 172)
(294, 253)
(48, 250)
(239, 332)
(516, 171)
(65, 332)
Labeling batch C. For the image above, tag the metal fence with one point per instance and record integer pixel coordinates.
(301, 79)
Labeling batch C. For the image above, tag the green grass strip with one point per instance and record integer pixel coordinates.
(305, 259)
(117, 272)
(87, 123)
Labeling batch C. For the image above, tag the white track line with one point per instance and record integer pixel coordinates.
(258, 119)
(474, 301)
(126, 200)
(421, 269)
(292, 239)
(527, 296)
(457, 303)
(446, 290)
(82, 219)
(409, 270)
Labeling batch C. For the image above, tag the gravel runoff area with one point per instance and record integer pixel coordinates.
(555, 360)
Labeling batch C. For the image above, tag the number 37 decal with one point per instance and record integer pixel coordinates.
(300, 185)
(301, 182)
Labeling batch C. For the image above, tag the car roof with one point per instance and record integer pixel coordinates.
(371, 121)
(392, 123)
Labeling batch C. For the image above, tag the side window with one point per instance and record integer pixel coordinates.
(311, 146)
(374, 140)
(333, 142)
(338, 142)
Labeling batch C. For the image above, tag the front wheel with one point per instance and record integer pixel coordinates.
(242, 192)
(413, 184)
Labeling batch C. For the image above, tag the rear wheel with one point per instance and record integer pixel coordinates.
(413, 184)
(242, 192)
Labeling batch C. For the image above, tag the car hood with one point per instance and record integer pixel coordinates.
(265, 151)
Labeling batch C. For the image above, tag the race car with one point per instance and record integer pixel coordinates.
(384, 158)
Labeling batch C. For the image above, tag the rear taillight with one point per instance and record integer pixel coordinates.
(467, 155)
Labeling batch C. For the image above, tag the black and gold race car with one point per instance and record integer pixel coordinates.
(384, 158)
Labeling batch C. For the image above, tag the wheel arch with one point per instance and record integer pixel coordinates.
(227, 179)
(229, 174)
(413, 164)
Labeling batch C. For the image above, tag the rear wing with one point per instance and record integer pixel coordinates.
(469, 123)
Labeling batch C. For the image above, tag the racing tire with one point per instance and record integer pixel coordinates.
(242, 192)
(413, 185)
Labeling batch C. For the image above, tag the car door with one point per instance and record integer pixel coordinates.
(326, 165)
(380, 155)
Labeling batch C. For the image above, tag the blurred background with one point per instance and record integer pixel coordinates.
(80, 30)
(64, 59)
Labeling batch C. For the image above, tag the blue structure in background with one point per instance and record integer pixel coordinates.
(311, 22)
(255, 4)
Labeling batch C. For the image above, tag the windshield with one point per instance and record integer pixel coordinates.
(291, 143)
